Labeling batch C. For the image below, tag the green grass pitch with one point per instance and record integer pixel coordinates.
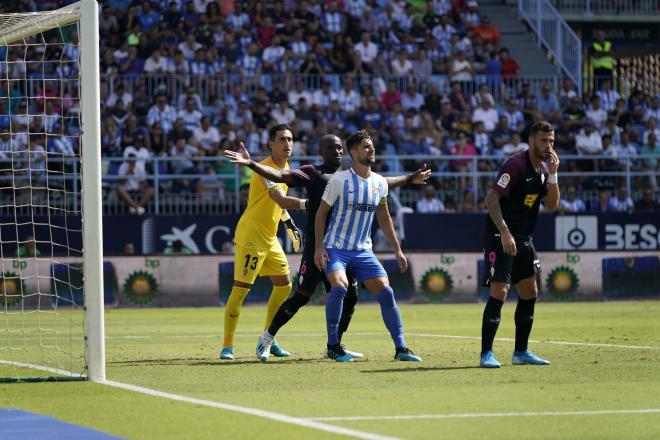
(175, 351)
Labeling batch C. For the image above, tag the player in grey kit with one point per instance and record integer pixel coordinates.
(513, 207)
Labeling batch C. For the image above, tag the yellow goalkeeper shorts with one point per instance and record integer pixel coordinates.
(250, 262)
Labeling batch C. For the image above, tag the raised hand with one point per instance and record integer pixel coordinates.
(241, 157)
(553, 166)
(421, 175)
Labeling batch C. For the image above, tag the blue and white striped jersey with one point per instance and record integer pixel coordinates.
(355, 201)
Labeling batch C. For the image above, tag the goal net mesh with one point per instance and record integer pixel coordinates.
(41, 283)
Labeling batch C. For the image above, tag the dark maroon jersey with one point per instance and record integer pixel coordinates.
(314, 178)
(522, 188)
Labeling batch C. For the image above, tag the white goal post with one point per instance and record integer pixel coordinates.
(25, 30)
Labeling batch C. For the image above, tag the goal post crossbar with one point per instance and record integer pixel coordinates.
(16, 27)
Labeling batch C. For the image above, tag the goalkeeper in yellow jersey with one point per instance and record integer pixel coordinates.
(257, 249)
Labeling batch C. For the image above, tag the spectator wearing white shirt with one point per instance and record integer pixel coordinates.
(412, 99)
(401, 65)
(207, 137)
(429, 204)
(651, 127)
(622, 202)
(156, 64)
(515, 146)
(163, 113)
(460, 68)
(571, 203)
(608, 97)
(367, 50)
(324, 97)
(624, 152)
(486, 114)
(272, 55)
(189, 47)
(653, 112)
(597, 113)
(298, 92)
(119, 93)
(190, 94)
(282, 114)
(483, 93)
(515, 118)
(190, 115)
(132, 188)
(588, 140)
(349, 99)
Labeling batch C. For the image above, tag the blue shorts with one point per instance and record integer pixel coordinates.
(363, 264)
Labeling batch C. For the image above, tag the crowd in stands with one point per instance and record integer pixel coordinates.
(189, 78)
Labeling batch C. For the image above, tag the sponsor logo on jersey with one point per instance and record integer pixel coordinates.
(504, 180)
(530, 199)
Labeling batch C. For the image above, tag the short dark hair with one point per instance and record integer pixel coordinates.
(543, 126)
(356, 139)
(272, 133)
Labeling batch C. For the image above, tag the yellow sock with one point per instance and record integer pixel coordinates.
(232, 312)
(277, 297)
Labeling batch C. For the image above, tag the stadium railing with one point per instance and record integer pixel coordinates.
(500, 89)
(555, 35)
(226, 193)
(607, 7)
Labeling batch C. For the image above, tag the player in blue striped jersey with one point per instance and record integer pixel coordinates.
(358, 194)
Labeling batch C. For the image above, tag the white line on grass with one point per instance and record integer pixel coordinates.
(41, 368)
(586, 344)
(283, 418)
(421, 335)
(481, 415)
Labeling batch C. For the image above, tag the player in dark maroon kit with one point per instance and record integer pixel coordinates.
(314, 178)
(513, 207)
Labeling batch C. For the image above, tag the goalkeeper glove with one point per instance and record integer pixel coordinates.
(295, 234)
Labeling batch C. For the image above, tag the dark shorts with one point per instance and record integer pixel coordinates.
(310, 276)
(506, 268)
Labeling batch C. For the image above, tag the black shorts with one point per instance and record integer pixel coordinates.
(506, 268)
(309, 276)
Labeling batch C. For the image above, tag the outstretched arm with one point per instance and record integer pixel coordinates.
(418, 177)
(287, 202)
(242, 157)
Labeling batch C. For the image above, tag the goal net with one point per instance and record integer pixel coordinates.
(51, 295)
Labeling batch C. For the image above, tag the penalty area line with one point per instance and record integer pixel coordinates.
(484, 415)
(283, 418)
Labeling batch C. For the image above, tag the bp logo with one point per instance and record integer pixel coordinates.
(140, 287)
(436, 284)
(12, 288)
(562, 282)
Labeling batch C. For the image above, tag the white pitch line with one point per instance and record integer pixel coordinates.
(283, 418)
(586, 344)
(422, 335)
(41, 368)
(482, 415)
